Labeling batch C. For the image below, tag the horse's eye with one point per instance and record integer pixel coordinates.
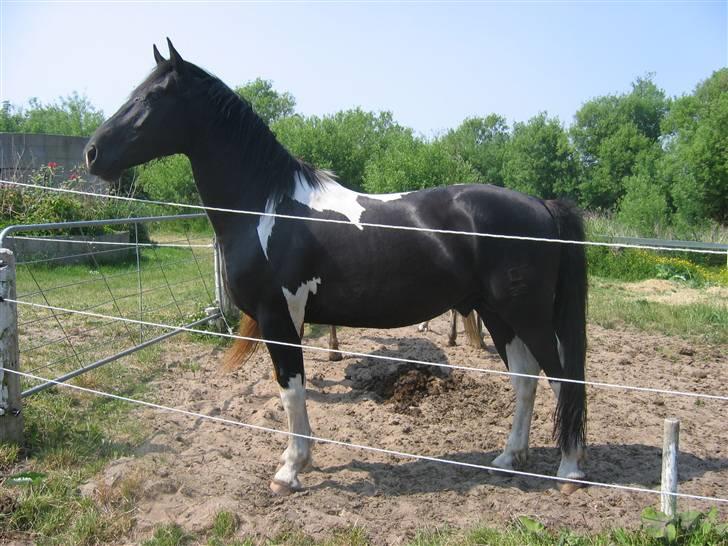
(154, 94)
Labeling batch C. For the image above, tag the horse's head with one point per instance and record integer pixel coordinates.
(150, 124)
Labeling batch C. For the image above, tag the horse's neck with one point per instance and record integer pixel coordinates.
(223, 181)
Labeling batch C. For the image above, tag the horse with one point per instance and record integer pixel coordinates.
(282, 271)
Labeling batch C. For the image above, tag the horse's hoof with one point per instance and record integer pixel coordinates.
(567, 488)
(335, 357)
(281, 489)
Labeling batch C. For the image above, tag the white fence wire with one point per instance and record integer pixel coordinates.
(362, 447)
(302, 346)
(366, 224)
(159, 325)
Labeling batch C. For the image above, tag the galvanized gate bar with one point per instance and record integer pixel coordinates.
(675, 243)
(117, 356)
(92, 223)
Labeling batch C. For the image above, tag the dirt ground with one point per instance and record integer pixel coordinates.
(193, 468)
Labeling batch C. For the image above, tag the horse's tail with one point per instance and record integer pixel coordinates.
(570, 323)
(242, 349)
(472, 332)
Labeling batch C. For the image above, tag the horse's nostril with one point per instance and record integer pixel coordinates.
(91, 154)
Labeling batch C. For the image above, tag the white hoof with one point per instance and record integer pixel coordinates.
(281, 489)
(511, 460)
(567, 488)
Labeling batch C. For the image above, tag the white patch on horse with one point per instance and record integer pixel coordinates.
(265, 226)
(298, 453)
(332, 196)
(520, 360)
(297, 302)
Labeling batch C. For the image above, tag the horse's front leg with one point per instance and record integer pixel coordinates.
(291, 378)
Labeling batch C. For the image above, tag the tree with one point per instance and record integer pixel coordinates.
(268, 103)
(10, 118)
(73, 115)
(539, 160)
(343, 142)
(611, 133)
(411, 164)
(482, 143)
(696, 161)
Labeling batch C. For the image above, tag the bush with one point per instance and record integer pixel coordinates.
(169, 179)
(19, 205)
(644, 207)
(636, 265)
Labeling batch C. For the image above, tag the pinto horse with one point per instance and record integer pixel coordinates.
(282, 271)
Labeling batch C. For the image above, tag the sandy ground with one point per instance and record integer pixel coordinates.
(192, 468)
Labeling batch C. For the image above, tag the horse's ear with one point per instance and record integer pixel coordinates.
(175, 57)
(157, 55)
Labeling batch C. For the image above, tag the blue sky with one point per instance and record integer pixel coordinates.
(432, 64)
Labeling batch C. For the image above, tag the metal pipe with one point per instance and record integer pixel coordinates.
(117, 356)
(91, 223)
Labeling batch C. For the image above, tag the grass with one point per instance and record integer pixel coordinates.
(516, 534)
(612, 305)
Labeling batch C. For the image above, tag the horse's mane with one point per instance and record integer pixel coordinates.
(266, 159)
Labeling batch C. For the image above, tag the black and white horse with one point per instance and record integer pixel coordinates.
(283, 272)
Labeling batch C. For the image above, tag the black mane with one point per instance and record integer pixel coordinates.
(265, 159)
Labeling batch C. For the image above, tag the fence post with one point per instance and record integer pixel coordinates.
(225, 304)
(11, 416)
(670, 448)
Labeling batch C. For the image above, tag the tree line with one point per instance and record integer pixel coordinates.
(653, 161)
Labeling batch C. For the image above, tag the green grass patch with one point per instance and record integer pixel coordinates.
(692, 529)
(611, 305)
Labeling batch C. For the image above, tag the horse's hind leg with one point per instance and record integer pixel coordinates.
(453, 328)
(544, 345)
(334, 355)
(289, 372)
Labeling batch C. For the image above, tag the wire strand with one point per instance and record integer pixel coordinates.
(352, 445)
(600, 384)
(366, 224)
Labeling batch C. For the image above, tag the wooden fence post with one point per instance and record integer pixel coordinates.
(11, 416)
(670, 449)
(225, 304)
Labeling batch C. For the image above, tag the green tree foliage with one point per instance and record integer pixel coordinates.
(268, 103)
(409, 164)
(10, 118)
(539, 160)
(482, 143)
(343, 142)
(644, 206)
(611, 134)
(168, 179)
(696, 164)
(73, 115)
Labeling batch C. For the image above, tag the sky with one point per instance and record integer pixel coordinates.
(430, 63)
